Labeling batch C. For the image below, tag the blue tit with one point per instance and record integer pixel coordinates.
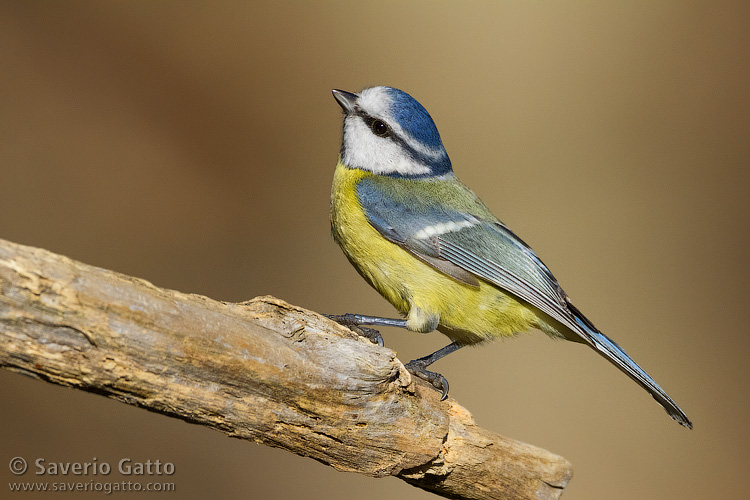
(430, 246)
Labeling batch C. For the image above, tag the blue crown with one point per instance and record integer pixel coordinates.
(414, 119)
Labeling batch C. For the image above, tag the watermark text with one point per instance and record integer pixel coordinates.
(101, 475)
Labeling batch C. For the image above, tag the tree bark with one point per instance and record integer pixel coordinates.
(261, 370)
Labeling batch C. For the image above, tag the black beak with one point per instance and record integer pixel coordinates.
(345, 99)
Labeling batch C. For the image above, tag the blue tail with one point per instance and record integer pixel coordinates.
(614, 353)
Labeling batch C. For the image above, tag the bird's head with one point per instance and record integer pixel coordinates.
(387, 132)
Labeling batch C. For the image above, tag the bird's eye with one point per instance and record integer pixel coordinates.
(379, 128)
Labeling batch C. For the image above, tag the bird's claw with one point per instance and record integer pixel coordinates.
(417, 368)
(343, 319)
(370, 334)
(350, 321)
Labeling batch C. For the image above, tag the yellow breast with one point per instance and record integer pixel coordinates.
(467, 314)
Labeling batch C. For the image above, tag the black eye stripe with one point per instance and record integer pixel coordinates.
(378, 126)
(437, 166)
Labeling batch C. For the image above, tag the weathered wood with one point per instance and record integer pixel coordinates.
(261, 370)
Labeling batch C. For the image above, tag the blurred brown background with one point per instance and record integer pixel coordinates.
(193, 144)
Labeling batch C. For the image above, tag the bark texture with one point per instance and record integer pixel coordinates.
(261, 370)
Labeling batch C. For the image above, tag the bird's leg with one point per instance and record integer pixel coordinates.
(359, 319)
(417, 367)
(355, 321)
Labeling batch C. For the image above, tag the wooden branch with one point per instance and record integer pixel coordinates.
(261, 370)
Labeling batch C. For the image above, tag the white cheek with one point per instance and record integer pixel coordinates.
(379, 155)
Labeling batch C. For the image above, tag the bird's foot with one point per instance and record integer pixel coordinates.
(417, 367)
(350, 321)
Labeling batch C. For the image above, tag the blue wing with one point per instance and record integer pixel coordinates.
(466, 245)
(484, 248)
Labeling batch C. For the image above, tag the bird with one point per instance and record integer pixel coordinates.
(433, 249)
